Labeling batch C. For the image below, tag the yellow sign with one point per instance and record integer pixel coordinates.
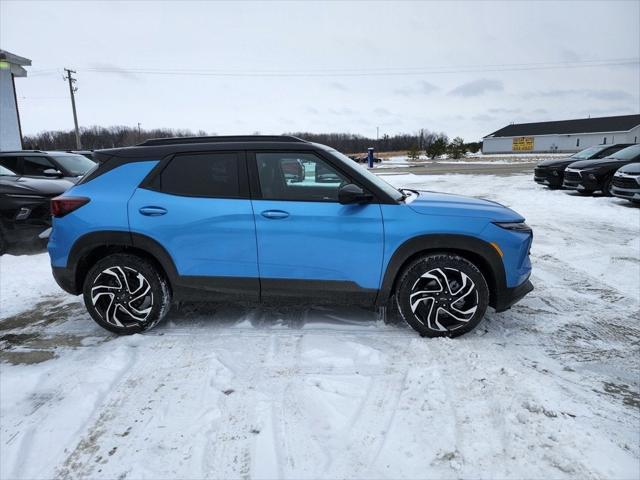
(521, 144)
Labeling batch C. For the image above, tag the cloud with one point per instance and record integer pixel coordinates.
(505, 110)
(421, 88)
(339, 86)
(341, 111)
(483, 117)
(115, 70)
(382, 111)
(603, 94)
(477, 87)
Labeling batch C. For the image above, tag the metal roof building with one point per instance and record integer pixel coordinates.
(11, 66)
(563, 135)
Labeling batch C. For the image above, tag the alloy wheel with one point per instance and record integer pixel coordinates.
(444, 299)
(122, 296)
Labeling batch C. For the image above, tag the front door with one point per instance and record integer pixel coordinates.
(309, 245)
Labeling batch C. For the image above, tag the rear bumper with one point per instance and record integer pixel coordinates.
(510, 296)
(65, 279)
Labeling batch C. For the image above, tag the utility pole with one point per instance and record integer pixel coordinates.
(139, 136)
(72, 90)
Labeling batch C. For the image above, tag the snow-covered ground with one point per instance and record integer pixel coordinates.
(472, 158)
(549, 389)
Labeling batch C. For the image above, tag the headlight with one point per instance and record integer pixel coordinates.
(515, 226)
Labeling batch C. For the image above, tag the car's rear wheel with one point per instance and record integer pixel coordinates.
(126, 294)
(442, 295)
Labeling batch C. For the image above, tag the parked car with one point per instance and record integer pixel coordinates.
(213, 218)
(40, 164)
(588, 176)
(626, 182)
(551, 172)
(364, 159)
(24, 207)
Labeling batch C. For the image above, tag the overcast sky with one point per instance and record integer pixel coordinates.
(274, 67)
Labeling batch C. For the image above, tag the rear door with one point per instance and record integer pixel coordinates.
(197, 207)
(309, 245)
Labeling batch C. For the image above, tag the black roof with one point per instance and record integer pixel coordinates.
(620, 123)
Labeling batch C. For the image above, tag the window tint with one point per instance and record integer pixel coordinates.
(36, 165)
(298, 176)
(10, 162)
(202, 175)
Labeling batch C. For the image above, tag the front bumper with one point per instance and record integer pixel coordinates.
(628, 193)
(510, 296)
(548, 176)
(585, 184)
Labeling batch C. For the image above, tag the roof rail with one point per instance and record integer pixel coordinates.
(220, 139)
(22, 151)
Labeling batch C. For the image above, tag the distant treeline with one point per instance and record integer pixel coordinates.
(94, 138)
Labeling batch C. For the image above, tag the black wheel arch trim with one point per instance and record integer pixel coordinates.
(87, 243)
(472, 248)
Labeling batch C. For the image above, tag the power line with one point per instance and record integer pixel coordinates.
(357, 72)
(381, 71)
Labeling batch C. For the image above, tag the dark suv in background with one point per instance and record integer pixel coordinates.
(588, 176)
(551, 172)
(25, 210)
(39, 164)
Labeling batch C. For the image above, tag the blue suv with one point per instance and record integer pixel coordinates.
(219, 219)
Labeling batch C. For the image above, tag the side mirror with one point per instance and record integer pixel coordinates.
(350, 193)
(52, 172)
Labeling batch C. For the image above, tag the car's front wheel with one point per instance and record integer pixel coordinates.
(126, 294)
(442, 295)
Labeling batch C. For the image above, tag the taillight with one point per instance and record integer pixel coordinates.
(60, 206)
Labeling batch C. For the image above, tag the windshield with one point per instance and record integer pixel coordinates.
(587, 153)
(76, 165)
(5, 171)
(629, 153)
(375, 179)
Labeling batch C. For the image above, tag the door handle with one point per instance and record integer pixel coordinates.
(152, 211)
(274, 214)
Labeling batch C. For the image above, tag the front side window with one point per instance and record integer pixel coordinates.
(36, 165)
(76, 165)
(202, 175)
(298, 176)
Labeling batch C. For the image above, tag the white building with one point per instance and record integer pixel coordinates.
(10, 68)
(564, 135)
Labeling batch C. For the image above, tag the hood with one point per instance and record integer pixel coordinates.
(33, 186)
(631, 169)
(602, 162)
(556, 162)
(433, 203)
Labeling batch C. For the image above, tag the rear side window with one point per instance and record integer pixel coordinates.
(202, 175)
(10, 162)
(36, 165)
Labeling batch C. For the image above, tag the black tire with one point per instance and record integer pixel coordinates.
(126, 294)
(3, 243)
(585, 192)
(433, 313)
(606, 187)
